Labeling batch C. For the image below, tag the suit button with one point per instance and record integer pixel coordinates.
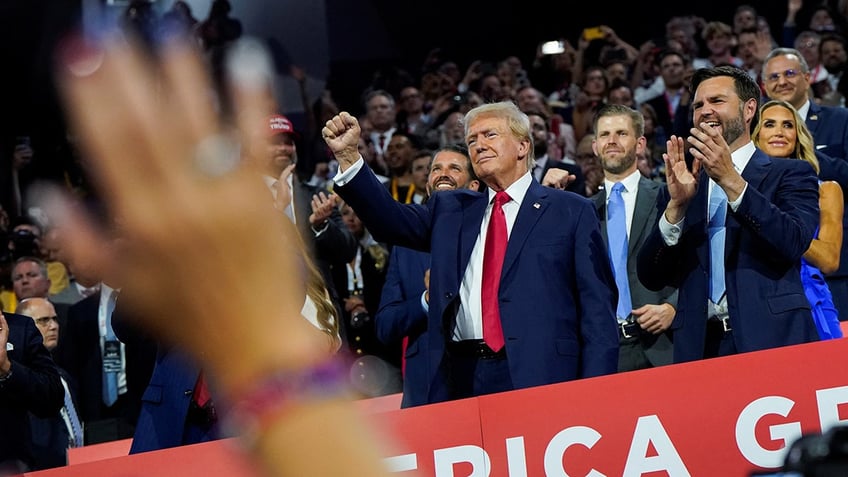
(448, 295)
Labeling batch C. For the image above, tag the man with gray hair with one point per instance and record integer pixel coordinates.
(521, 291)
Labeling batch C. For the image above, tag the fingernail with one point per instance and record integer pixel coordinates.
(80, 56)
(249, 64)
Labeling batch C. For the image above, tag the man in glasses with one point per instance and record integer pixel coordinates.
(786, 75)
(52, 436)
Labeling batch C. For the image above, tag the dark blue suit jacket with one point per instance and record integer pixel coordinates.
(829, 127)
(165, 403)
(34, 386)
(401, 315)
(766, 238)
(557, 295)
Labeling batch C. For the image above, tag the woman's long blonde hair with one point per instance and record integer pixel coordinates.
(316, 290)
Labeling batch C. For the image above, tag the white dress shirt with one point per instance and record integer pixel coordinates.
(469, 318)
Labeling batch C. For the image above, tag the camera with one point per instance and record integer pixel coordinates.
(359, 320)
(24, 243)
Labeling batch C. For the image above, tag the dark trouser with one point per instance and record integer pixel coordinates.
(476, 370)
(719, 342)
(631, 354)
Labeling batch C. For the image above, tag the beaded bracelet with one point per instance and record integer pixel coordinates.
(257, 409)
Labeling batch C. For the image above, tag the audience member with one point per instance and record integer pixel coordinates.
(404, 302)
(716, 224)
(53, 436)
(481, 343)
(29, 383)
(400, 151)
(382, 115)
(376, 370)
(786, 76)
(780, 132)
(627, 210)
(312, 210)
(544, 163)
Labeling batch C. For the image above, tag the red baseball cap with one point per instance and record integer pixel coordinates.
(279, 124)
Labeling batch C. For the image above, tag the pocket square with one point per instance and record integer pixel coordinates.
(821, 146)
(9, 346)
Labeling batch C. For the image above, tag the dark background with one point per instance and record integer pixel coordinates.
(362, 36)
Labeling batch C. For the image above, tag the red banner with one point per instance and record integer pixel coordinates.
(726, 416)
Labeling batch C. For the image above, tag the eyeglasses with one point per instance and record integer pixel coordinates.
(45, 320)
(788, 74)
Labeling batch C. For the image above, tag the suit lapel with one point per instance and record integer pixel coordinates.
(646, 201)
(812, 120)
(600, 200)
(754, 174)
(472, 218)
(701, 222)
(534, 205)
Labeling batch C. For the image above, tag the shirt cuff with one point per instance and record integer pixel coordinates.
(736, 203)
(321, 230)
(670, 232)
(424, 305)
(348, 174)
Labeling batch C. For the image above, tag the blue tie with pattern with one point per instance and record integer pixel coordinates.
(73, 418)
(717, 231)
(617, 238)
(110, 376)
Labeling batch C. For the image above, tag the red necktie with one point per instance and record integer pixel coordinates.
(201, 391)
(493, 257)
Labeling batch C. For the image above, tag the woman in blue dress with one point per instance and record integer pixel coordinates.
(781, 132)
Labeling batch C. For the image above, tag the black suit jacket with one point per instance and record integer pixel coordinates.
(50, 434)
(34, 387)
(86, 366)
(578, 186)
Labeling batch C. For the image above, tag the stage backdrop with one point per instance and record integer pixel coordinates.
(726, 416)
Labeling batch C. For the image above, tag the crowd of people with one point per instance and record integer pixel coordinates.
(600, 209)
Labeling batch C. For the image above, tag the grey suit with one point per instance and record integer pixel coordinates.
(655, 349)
(69, 295)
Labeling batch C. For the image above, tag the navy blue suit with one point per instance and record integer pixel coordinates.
(557, 294)
(401, 315)
(165, 404)
(34, 387)
(765, 240)
(829, 127)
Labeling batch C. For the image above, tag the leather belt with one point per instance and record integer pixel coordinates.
(720, 325)
(628, 329)
(475, 349)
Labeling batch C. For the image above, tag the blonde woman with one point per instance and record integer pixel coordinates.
(781, 132)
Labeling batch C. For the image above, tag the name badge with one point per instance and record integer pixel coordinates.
(112, 356)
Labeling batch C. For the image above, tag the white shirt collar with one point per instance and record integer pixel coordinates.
(804, 110)
(631, 182)
(517, 190)
(742, 156)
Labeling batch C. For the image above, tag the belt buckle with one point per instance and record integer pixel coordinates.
(622, 325)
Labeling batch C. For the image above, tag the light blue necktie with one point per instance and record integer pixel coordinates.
(717, 231)
(110, 378)
(73, 418)
(617, 238)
